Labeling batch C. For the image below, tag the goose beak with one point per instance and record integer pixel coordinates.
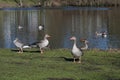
(48, 36)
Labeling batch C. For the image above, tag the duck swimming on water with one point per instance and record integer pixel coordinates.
(102, 34)
(20, 27)
(41, 27)
(98, 33)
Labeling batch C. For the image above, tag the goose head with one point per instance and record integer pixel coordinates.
(85, 41)
(73, 38)
(46, 36)
(85, 47)
(16, 39)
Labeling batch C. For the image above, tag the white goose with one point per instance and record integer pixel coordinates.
(19, 44)
(43, 43)
(86, 45)
(76, 52)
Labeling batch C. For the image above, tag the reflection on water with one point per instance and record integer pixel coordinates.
(61, 24)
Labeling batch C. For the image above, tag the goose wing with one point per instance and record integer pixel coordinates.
(18, 43)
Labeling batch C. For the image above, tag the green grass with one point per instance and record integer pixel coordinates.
(57, 65)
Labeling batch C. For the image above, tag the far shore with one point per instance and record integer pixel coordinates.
(14, 5)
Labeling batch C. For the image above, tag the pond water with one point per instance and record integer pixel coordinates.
(61, 24)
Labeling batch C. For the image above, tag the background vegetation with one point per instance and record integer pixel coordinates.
(52, 3)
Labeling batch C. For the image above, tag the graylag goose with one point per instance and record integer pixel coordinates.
(85, 47)
(43, 43)
(19, 45)
(76, 52)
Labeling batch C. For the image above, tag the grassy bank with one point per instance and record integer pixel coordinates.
(58, 65)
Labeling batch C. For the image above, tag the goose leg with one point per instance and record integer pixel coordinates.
(21, 50)
(41, 51)
(74, 60)
(79, 60)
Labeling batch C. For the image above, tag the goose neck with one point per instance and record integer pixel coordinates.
(74, 43)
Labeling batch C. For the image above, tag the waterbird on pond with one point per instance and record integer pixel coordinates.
(20, 27)
(98, 34)
(102, 34)
(76, 52)
(85, 47)
(43, 43)
(41, 27)
(20, 45)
